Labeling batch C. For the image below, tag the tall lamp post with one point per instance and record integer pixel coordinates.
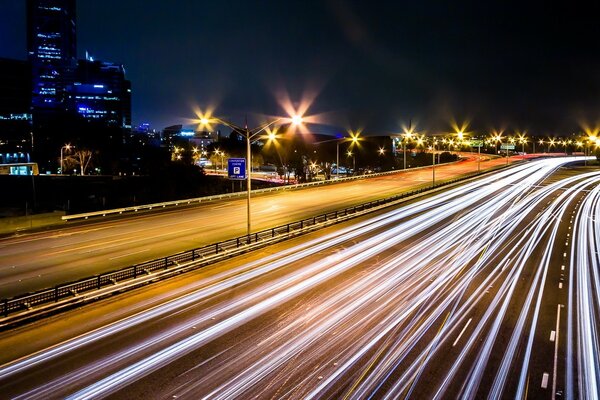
(354, 139)
(407, 136)
(249, 135)
(522, 140)
(590, 139)
(65, 147)
(512, 141)
(350, 154)
(434, 142)
(479, 144)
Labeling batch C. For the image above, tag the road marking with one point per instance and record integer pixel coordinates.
(552, 336)
(461, 332)
(558, 307)
(562, 267)
(129, 254)
(545, 380)
(560, 285)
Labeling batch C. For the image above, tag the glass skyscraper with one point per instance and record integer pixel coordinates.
(52, 50)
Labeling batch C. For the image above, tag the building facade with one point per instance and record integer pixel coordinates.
(99, 93)
(15, 106)
(52, 50)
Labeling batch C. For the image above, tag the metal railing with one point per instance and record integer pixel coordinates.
(201, 256)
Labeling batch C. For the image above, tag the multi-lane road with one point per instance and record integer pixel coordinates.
(489, 290)
(36, 261)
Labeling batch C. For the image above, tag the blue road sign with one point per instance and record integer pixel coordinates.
(236, 167)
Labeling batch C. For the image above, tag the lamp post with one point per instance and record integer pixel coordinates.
(565, 143)
(551, 143)
(249, 134)
(433, 163)
(219, 153)
(337, 160)
(590, 139)
(407, 136)
(510, 140)
(522, 140)
(350, 154)
(354, 139)
(67, 147)
(479, 157)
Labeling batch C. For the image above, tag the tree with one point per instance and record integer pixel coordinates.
(81, 158)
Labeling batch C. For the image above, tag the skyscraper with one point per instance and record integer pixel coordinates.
(100, 93)
(52, 51)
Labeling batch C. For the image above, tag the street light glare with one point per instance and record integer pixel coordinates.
(296, 120)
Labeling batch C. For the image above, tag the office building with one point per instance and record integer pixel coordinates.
(100, 94)
(15, 106)
(52, 51)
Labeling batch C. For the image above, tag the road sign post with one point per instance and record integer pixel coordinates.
(479, 144)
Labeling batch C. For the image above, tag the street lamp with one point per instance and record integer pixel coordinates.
(433, 162)
(67, 147)
(590, 139)
(249, 134)
(354, 139)
(551, 143)
(512, 141)
(522, 140)
(565, 143)
(219, 153)
(350, 154)
(408, 134)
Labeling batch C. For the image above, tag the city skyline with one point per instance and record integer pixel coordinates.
(496, 65)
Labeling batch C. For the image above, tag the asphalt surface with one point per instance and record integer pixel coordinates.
(489, 290)
(31, 262)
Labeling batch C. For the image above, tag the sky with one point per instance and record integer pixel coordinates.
(361, 65)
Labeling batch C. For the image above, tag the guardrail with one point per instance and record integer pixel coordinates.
(200, 256)
(204, 199)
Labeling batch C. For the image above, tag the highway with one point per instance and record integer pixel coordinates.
(488, 290)
(36, 261)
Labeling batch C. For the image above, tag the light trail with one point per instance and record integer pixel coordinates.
(583, 358)
(472, 263)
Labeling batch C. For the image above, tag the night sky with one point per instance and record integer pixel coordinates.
(371, 64)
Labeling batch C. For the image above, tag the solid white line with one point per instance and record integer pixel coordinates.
(128, 254)
(556, 352)
(461, 332)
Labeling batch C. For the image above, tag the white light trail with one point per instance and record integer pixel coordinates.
(460, 279)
